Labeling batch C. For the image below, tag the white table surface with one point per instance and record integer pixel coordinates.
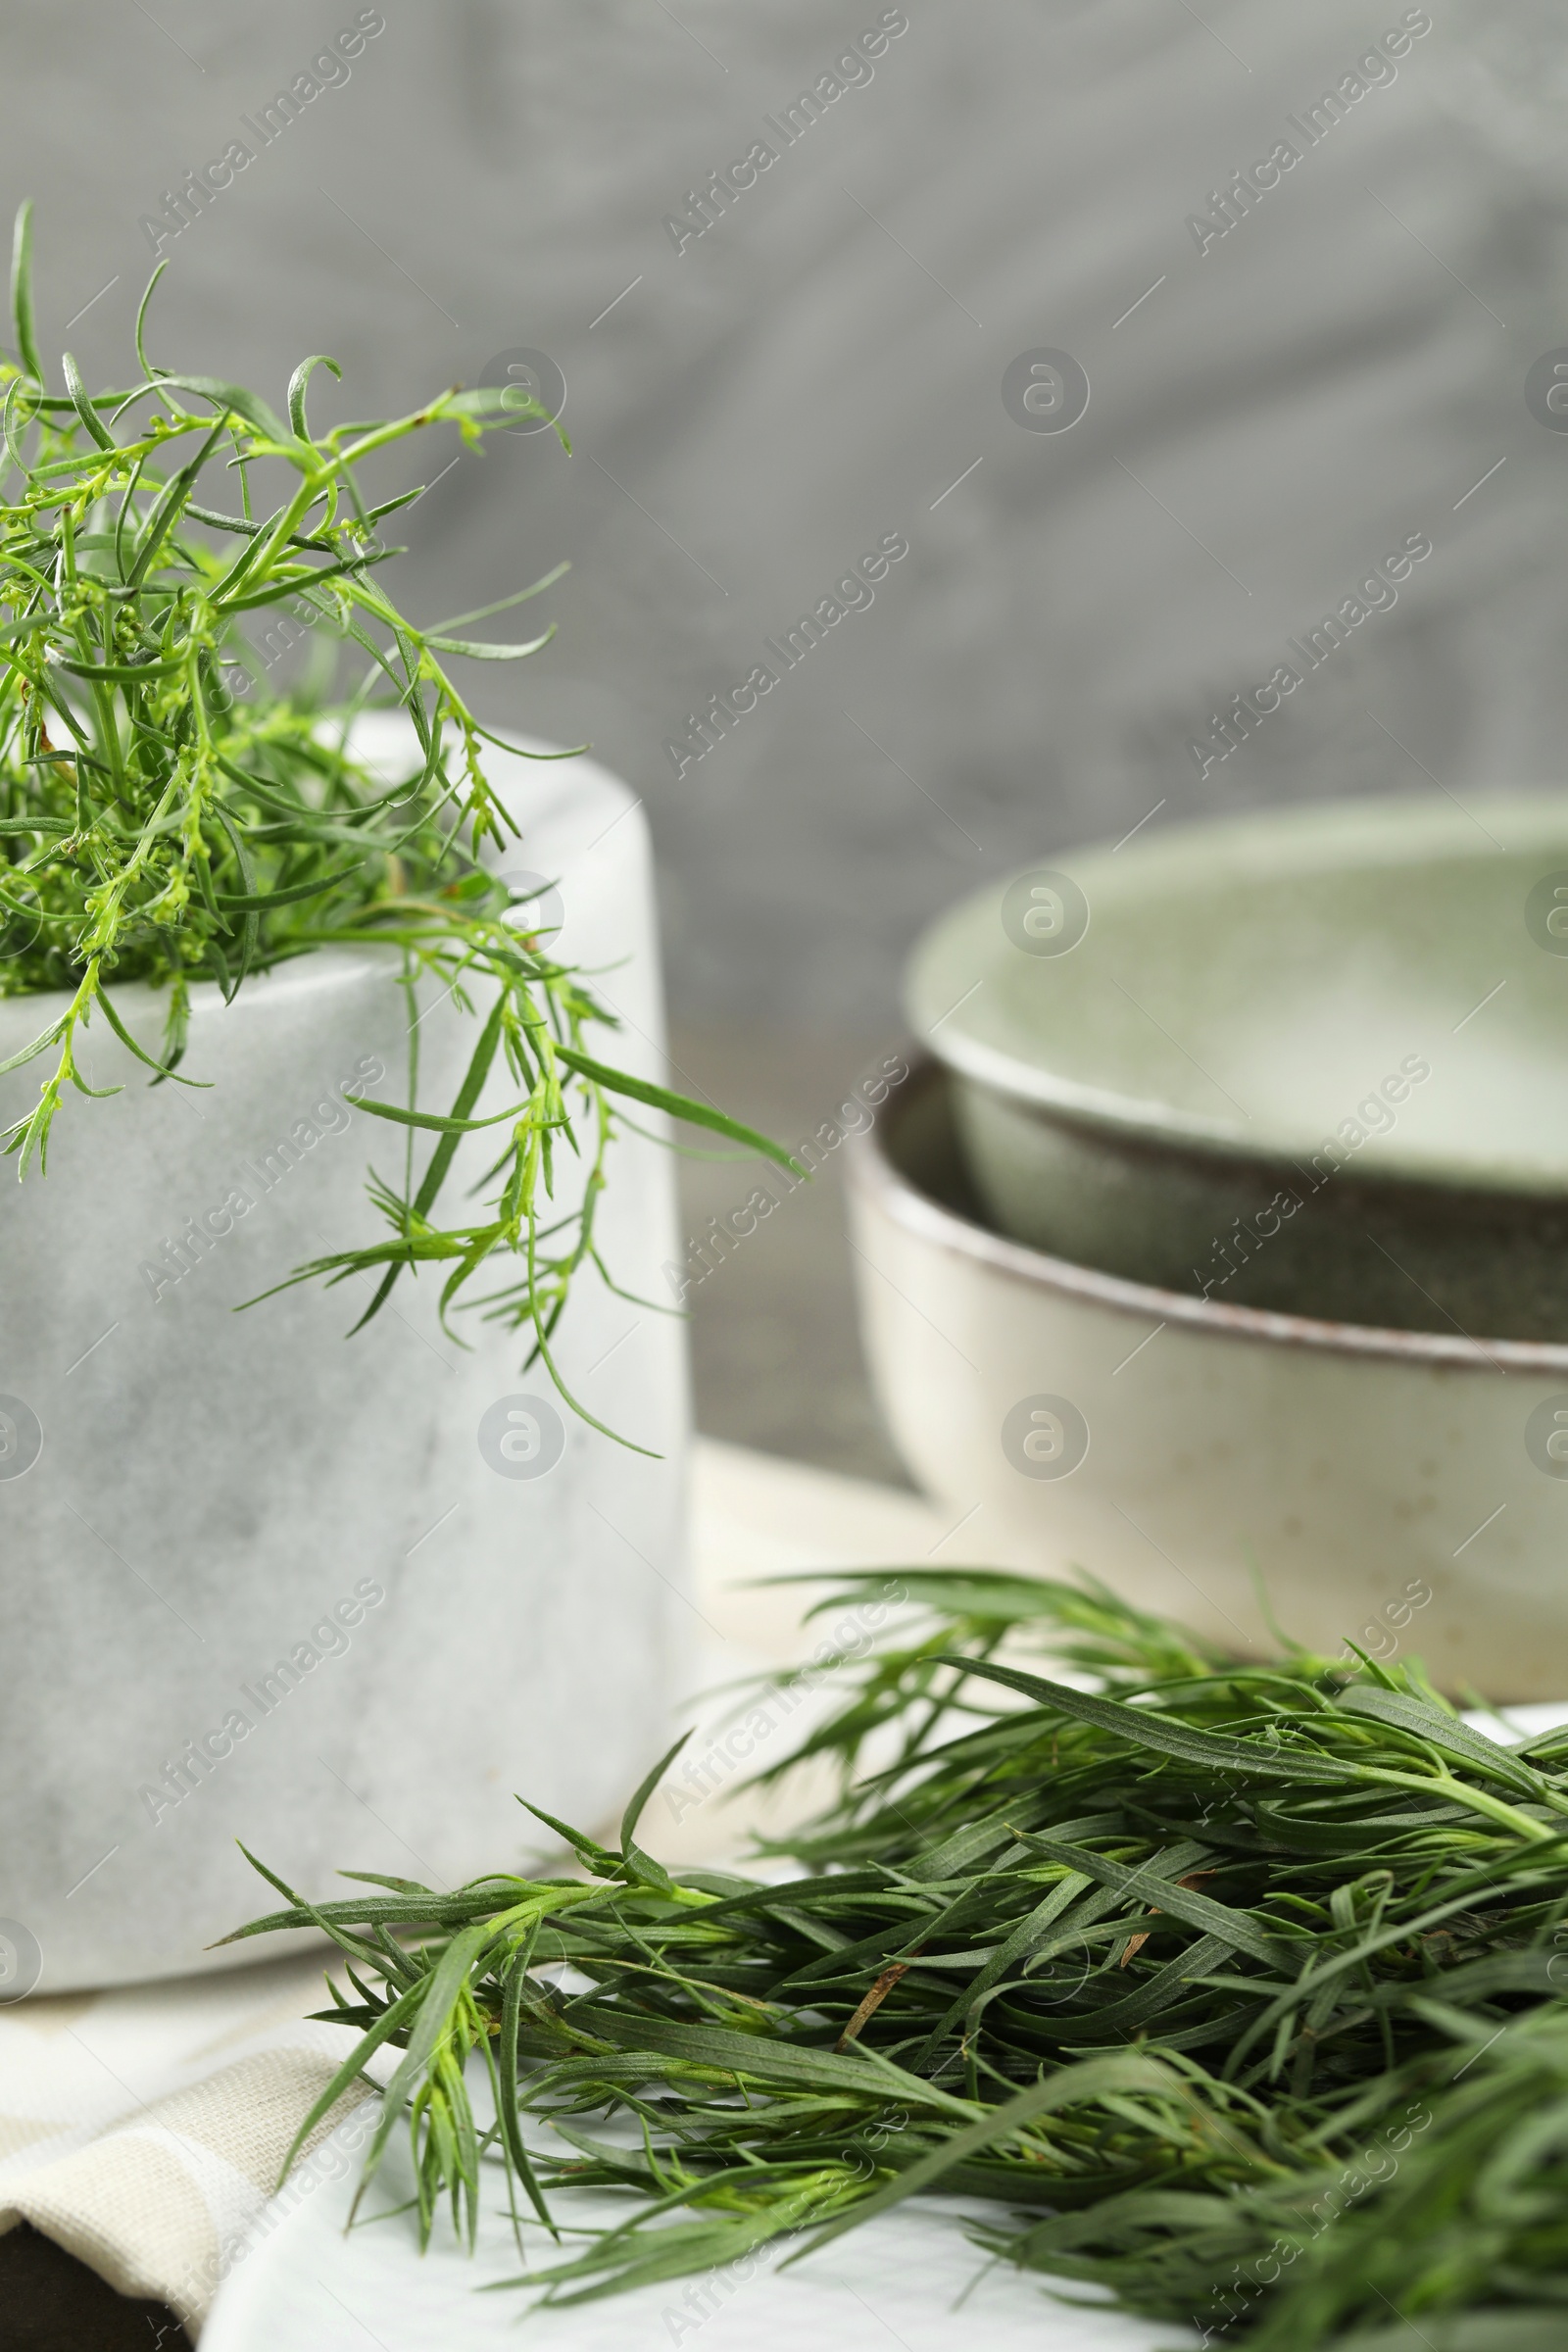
(910, 2279)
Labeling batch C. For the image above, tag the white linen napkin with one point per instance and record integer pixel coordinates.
(144, 2129)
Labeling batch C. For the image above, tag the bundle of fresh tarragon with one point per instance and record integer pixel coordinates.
(1234, 1988)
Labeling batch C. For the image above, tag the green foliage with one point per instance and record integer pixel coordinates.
(1235, 1987)
(166, 817)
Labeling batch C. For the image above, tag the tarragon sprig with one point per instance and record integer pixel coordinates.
(166, 815)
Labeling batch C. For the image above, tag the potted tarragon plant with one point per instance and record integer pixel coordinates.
(229, 913)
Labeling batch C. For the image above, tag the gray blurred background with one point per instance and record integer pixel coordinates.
(752, 409)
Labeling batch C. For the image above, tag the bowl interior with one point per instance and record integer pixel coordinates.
(1252, 985)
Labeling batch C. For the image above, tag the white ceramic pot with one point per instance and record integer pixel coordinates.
(1407, 1490)
(338, 1598)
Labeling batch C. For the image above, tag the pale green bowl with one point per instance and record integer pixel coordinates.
(1315, 1061)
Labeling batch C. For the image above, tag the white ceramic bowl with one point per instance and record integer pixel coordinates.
(1404, 1488)
(1305, 1059)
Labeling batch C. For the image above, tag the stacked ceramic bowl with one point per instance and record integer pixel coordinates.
(1220, 1246)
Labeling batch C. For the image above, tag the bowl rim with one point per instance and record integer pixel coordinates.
(1337, 835)
(872, 1174)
